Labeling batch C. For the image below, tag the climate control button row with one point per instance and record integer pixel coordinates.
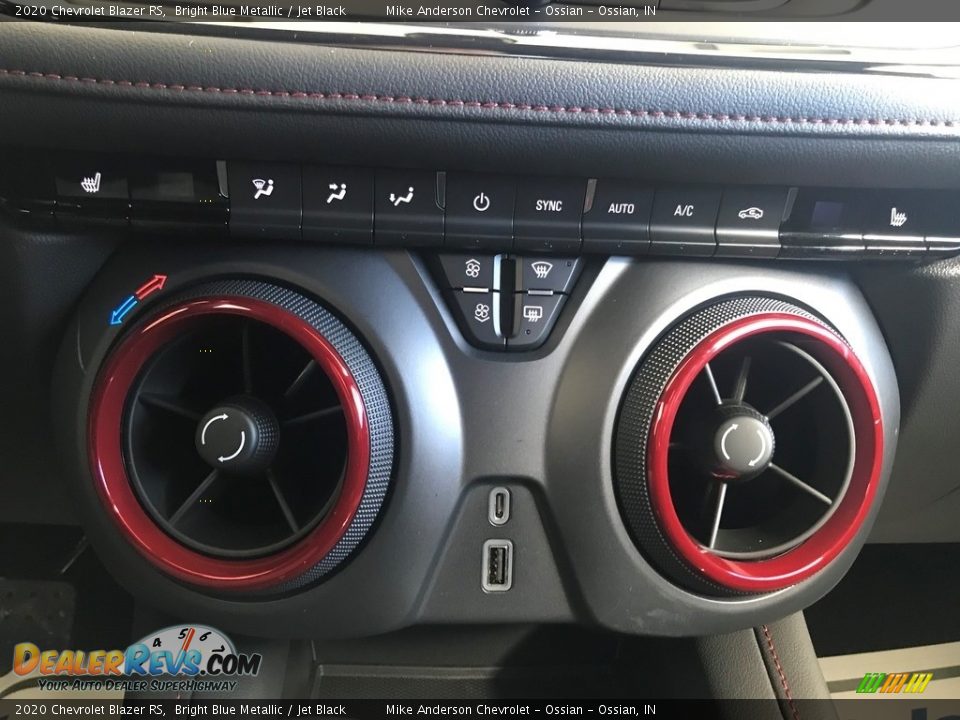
(477, 212)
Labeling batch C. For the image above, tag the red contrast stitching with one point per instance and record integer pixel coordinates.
(492, 104)
(795, 711)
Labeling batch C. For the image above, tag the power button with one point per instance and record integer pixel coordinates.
(479, 212)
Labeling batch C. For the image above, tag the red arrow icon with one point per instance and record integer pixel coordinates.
(151, 286)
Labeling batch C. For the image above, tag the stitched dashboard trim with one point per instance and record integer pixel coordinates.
(715, 117)
(775, 657)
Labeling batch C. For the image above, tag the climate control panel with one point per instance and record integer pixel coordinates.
(419, 208)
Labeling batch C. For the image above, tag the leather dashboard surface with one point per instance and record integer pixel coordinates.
(100, 88)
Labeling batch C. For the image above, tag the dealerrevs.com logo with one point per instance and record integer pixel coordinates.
(893, 683)
(179, 658)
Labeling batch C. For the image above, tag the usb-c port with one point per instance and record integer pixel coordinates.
(499, 506)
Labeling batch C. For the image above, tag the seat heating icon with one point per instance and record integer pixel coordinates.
(897, 218)
(91, 184)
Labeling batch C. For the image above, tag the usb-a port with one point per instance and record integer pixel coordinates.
(497, 568)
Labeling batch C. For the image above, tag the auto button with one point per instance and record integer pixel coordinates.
(619, 219)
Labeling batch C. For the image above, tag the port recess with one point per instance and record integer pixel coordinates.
(498, 511)
(497, 568)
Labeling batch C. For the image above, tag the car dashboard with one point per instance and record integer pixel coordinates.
(385, 342)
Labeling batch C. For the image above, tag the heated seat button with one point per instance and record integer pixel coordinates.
(338, 205)
(264, 200)
(748, 224)
(541, 273)
(894, 224)
(619, 219)
(547, 215)
(92, 190)
(683, 222)
(479, 210)
(91, 178)
(534, 317)
(407, 212)
(470, 271)
(478, 314)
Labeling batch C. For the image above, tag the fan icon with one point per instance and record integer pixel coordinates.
(481, 312)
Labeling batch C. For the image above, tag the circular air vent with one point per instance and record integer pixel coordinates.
(748, 448)
(241, 438)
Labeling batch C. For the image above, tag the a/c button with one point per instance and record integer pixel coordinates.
(683, 222)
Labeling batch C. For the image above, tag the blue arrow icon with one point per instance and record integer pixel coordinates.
(116, 317)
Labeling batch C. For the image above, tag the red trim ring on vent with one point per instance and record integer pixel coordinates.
(107, 408)
(823, 546)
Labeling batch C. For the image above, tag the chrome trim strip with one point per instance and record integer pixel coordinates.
(882, 48)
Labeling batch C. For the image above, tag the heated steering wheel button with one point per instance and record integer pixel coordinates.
(478, 314)
(534, 317)
(556, 274)
(470, 271)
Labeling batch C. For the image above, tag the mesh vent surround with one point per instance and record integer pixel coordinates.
(636, 417)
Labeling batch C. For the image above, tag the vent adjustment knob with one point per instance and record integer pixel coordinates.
(239, 436)
(742, 443)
